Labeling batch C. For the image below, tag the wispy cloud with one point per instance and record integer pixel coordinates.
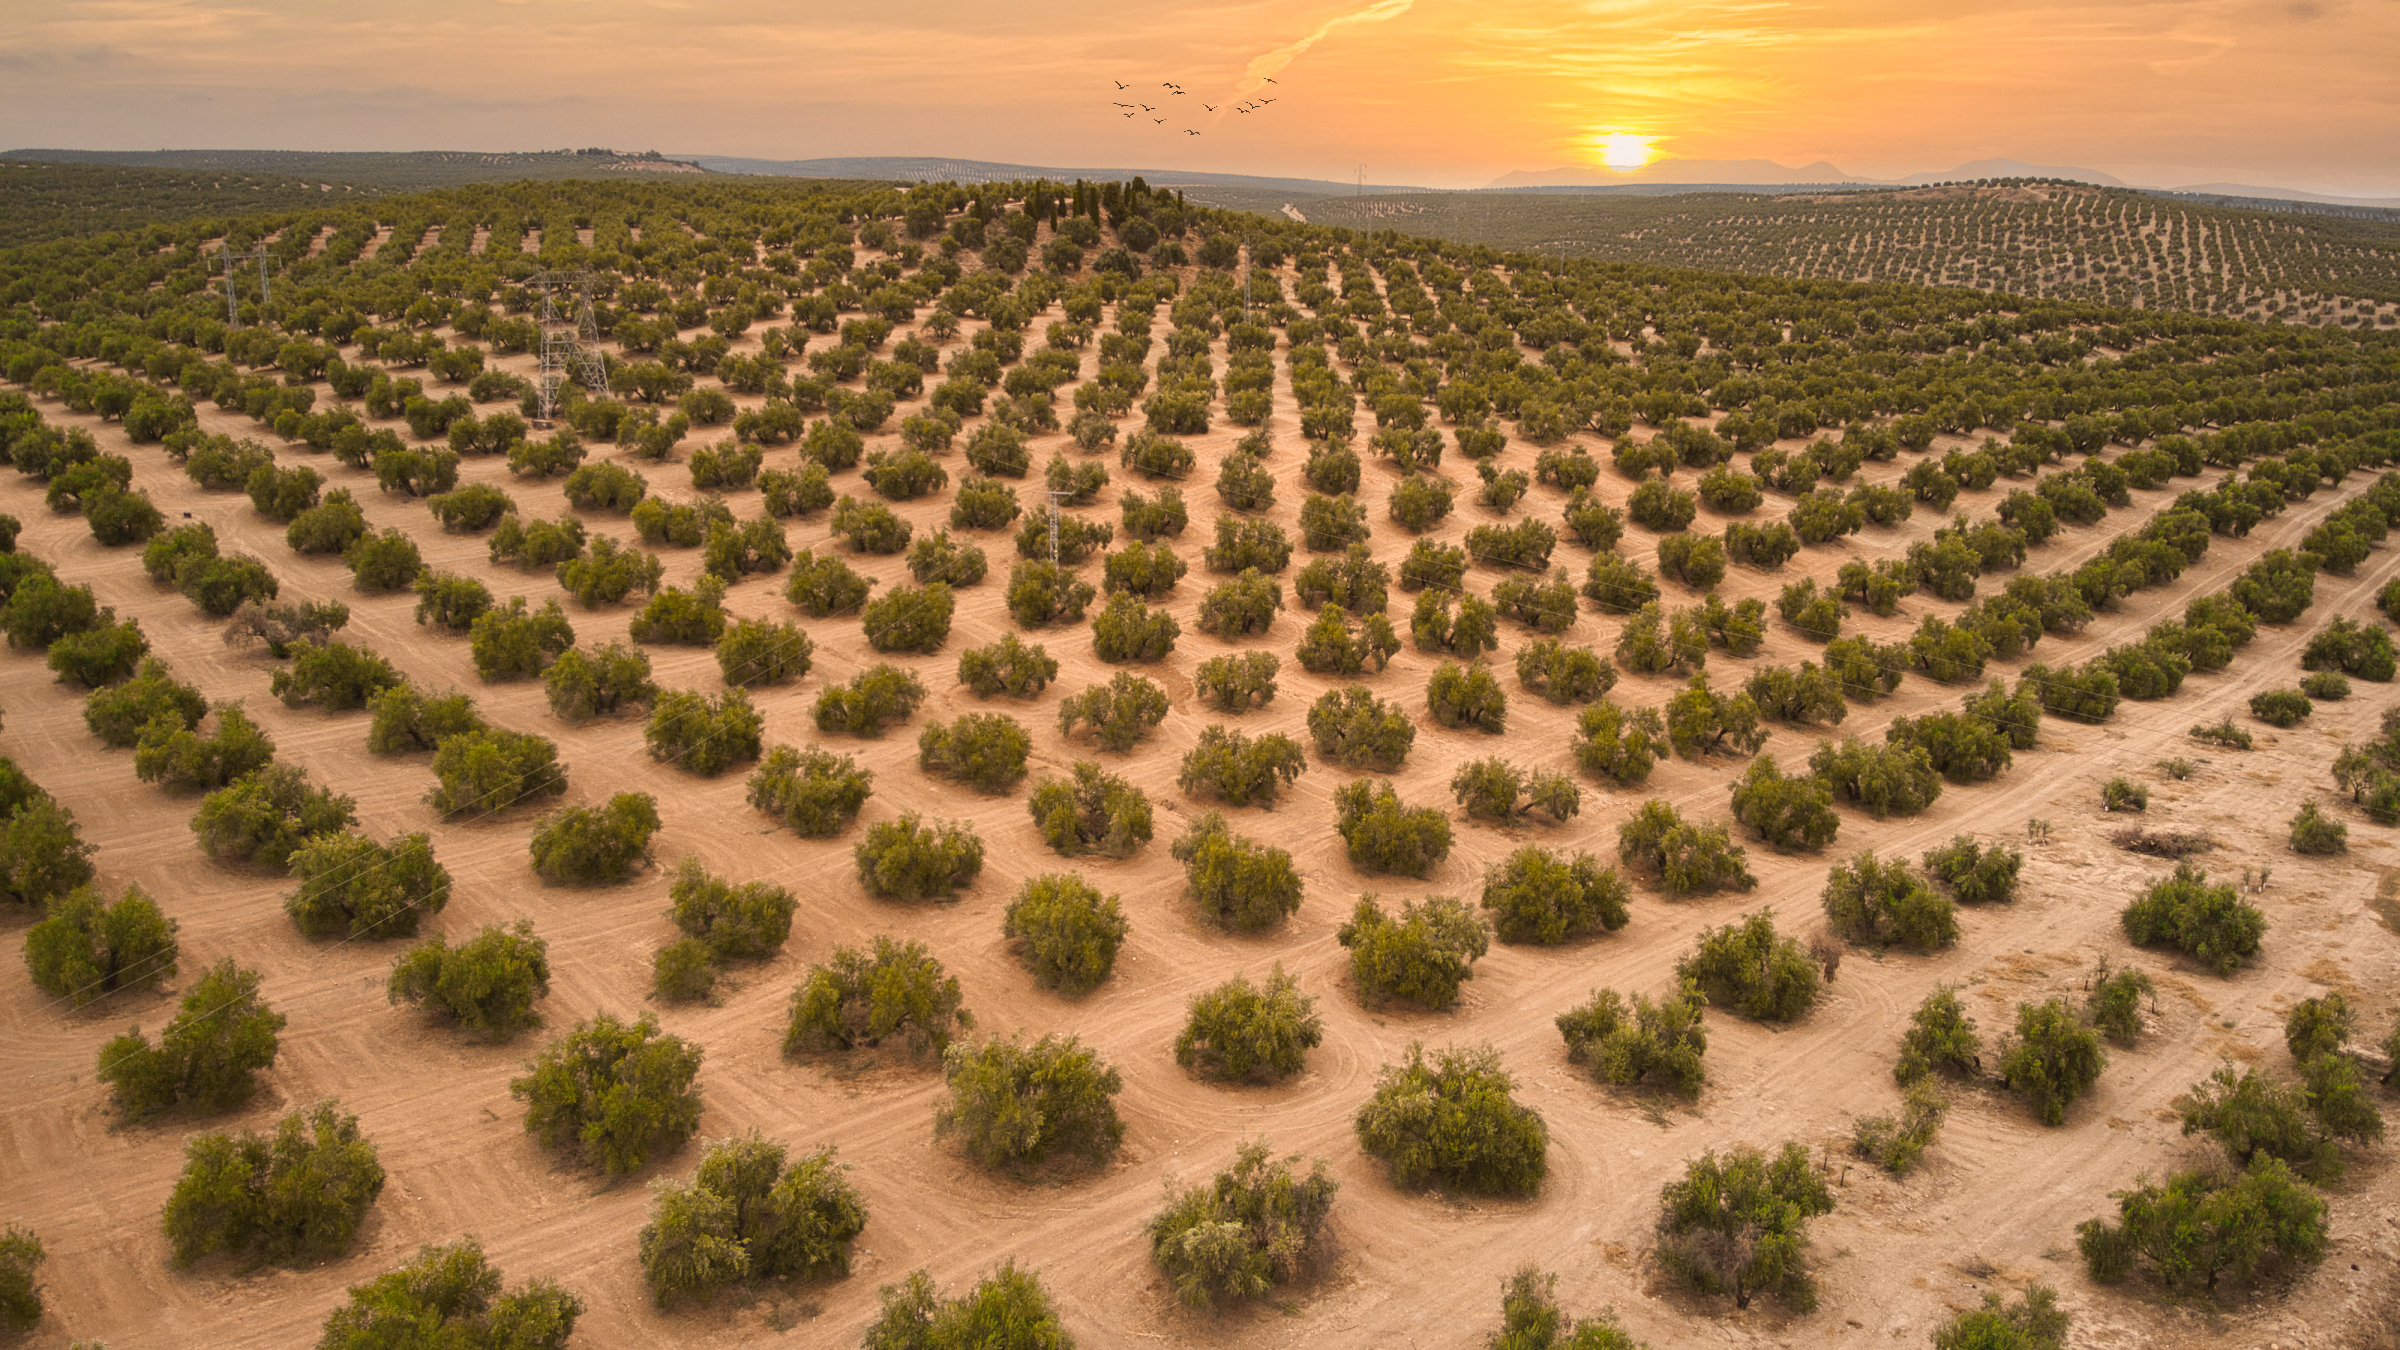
(1273, 63)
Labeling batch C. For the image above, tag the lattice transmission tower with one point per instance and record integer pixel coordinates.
(227, 257)
(570, 339)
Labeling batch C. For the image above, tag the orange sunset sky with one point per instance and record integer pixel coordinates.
(2293, 93)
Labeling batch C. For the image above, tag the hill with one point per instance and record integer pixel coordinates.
(2064, 241)
(384, 169)
(48, 200)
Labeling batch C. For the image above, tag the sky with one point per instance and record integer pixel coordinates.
(1446, 93)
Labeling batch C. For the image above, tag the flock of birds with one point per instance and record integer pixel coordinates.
(1140, 109)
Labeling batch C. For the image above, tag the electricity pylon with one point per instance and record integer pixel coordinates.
(570, 340)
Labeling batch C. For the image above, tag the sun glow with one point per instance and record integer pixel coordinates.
(1623, 151)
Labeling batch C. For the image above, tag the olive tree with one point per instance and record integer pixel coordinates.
(614, 1093)
(1070, 931)
(1007, 1310)
(208, 1055)
(488, 770)
(1248, 1229)
(701, 735)
(2212, 924)
(1385, 835)
(268, 814)
(875, 698)
(747, 1216)
(582, 685)
(1355, 729)
(1118, 714)
(1750, 969)
(1236, 882)
(295, 1197)
(1094, 812)
(1628, 1044)
(816, 792)
(1738, 1224)
(357, 888)
(1016, 1107)
(487, 984)
(858, 999)
(89, 947)
(1422, 956)
(587, 846)
(985, 750)
(1454, 1123)
(1491, 789)
(2053, 1058)
(907, 859)
(452, 1293)
(1538, 896)
(1240, 1031)
(2202, 1227)
(1008, 666)
(1883, 904)
(1689, 858)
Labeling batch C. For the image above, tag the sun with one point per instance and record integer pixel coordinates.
(1623, 151)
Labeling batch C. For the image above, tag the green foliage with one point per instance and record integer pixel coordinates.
(1463, 625)
(1887, 780)
(1530, 1319)
(1655, 505)
(1750, 969)
(40, 611)
(1974, 874)
(1653, 642)
(1355, 729)
(1789, 813)
(1017, 1107)
(586, 846)
(1008, 1310)
(1332, 645)
(2281, 707)
(1661, 1042)
(986, 750)
(1454, 1124)
(1564, 674)
(1422, 957)
(2034, 1322)
(334, 676)
(825, 586)
(860, 999)
(487, 984)
(265, 816)
(747, 1216)
(875, 698)
(1071, 932)
(1384, 835)
(1695, 560)
(1236, 882)
(295, 1198)
(383, 562)
(88, 948)
(1118, 714)
(1467, 696)
(1739, 1224)
(1252, 1227)
(488, 770)
(352, 886)
(938, 557)
(513, 643)
(1231, 610)
(2314, 832)
(1489, 789)
(746, 921)
(2277, 588)
(1613, 743)
(1355, 581)
(42, 856)
(906, 859)
(99, 656)
(2202, 1227)
(760, 651)
(1689, 858)
(2209, 923)
(1537, 896)
(1097, 812)
(1239, 1031)
(2053, 1058)
(1884, 904)
(1700, 721)
(1127, 630)
(20, 1299)
(1897, 1145)
(1237, 683)
(693, 618)
(403, 719)
(1008, 666)
(2326, 686)
(816, 792)
(1940, 1036)
(206, 1058)
(117, 713)
(615, 1093)
(701, 735)
(1041, 594)
(177, 757)
(451, 1296)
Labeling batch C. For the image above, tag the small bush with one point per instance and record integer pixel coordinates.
(487, 984)
(1688, 858)
(1657, 506)
(747, 1216)
(1454, 1123)
(1897, 1145)
(1384, 835)
(2281, 707)
(177, 757)
(1018, 1106)
(1530, 1319)
(822, 587)
(489, 770)
(2202, 1227)
(20, 1255)
(815, 792)
(875, 698)
(615, 1093)
(1883, 904)
(1007, 666)
(207, 1057)
(1422, 957)
(1661, 1042)
(2209, 923)
(1071, 932)
(1118, 714)
(907, 859)
(88, 947)
(2114, 1004)
(1097, 812)
(2312, 831)
(1490, 789)
(1738, 1224)
(117, 713)
(1254, 1226)
(266, 815)
(1974, 874)
(1236, 882)
(583, 846)
(453, 1294)
(1940, 1037)
(1789, 813)
(334, 676)
(1239, 1031)
(514, 644)
(916, 1317)
(1040, 594)
(1237, 770)
(860, 999)
(296, 1197)
(2053, 1059)
(1750, 969)
(2118, 795)
(1238, 683)
(986, 750)
(1887, 780)
(1127, 630)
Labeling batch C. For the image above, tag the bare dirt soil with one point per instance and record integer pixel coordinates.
(1994, 1207)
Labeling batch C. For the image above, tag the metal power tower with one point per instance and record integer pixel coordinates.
(1055, 498)
(227, 257)
(570, 339)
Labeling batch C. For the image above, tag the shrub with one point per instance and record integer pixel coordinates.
(1071, 932)
(403, 719)
(1700, 720)
(1331, 524)
(179, 758)
(1750, 969)
(334, 676)
(2281, 707)
(1530, 1319)
(745, 922)
(1254, 1226)
(1789, 813)
(1232, 610)
(822, 587)
(1887, 780)
(1074, 539)
(88, 948)
(1897, 1145)
(2209, 923)
(1237, 683)
(2053, 1058)
(40, 611)
(583, 846)
(478, 506)
(1017, 1106)
(1489, 789)
(1237, 770)
(1236, 882)
(1119, 714)
(815, 792)
(2325, 685)
(2118, 795)
(986, 750)
(1613, 743)
(450, 601)
(1974, 874)
(331, 526)
(857, 1000)
(514, 644)
(2277, 588)
(1883, 904)
(1355, 729)
(1655, 505)
(1422, 957)
(910, 619)
(277, 627)
(693, 618)
(747, 1216)
(294, 1198)
(453, 1294)
(615, 1093)
(1467, 696)
(2312, 831)
(907, 859)
(874, 699)
(730, 553)
(206, 1058)
(1239, 1031)
(1149, 519)
(117, 713)
(605, 487)
(1695, 560)
(20, 1299)
(1655, 643)
(383, 562)
(1626, 1045)
(1097, 812)
(1940, 1036)
(1688, 858)
(2201, 1227)
(1127, 630)
(1040, 594)
(1454, 1123)
(1331, 468)
(101, 656)
(2114, 1004)
(548, 543)
(1385, 836)
(488, 770)
(486, 984)
(1007, 666)
(758, 651)
(983, 504)
(353, 886)
(869, 527)
(1738, 1224)
(1564, 674)
(266, 815)
(1150, 571)
(287, 494)
(1418, 502)
(1009, 1310)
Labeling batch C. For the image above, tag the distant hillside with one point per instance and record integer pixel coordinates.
(908, 169)
(49, 200)
(2112, 245)
(394, 169)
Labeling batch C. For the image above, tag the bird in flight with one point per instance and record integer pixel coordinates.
(1191, 133)
(1147, 108)
(1129, 114)
(1268, 78)
(1120, 84)
(1210, 106)
(1160, 120)
(1265, 101)
(1178, 91)
(1120, 105)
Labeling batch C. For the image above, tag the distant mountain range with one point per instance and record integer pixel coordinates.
(937, 170)
(1734, 173)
